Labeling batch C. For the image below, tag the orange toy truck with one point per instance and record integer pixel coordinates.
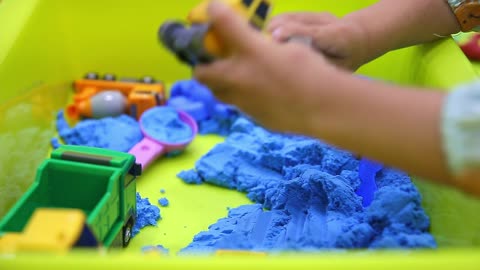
(97, 98)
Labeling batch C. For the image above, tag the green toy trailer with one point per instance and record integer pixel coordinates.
(81, 196)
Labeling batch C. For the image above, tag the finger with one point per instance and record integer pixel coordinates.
(225, 96)
(315, 18)
(330, 41)
(333, 42)
(233, 31)
(291, 29)
(215, 75)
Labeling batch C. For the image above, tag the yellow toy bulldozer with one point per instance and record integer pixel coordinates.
(196, 43)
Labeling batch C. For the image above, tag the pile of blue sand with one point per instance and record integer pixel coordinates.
(212, 116)
(309, 190)
(147, 215)
(164, 124)
(115, 133)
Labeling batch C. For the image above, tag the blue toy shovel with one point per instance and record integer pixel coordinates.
(367, 171)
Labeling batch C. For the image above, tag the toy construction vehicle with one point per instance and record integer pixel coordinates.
(81, 197)
(196, 43)
(97, 98)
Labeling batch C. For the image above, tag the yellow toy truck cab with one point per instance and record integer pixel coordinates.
(255, 11)
(196, 43)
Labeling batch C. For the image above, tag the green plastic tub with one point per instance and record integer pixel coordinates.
(46, 44)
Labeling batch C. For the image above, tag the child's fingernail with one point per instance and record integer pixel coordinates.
(277, 33)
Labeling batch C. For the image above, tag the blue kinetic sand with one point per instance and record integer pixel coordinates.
(212, 116)
(147, 215)
(164, 124)
(193, 98)
(115, 133)
(190, 177)
(308, 190)
(55, 143)
(163, 202)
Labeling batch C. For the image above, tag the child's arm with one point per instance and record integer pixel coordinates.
(394, 24)
(290, 88)
(370, 32)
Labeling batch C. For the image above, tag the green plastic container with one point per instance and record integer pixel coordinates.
(46, 44)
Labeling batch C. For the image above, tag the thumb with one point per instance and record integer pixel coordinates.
(230, 29)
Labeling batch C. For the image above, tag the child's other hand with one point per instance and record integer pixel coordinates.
(274, 83)
(344, 43)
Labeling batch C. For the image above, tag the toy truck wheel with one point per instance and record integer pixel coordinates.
(109, 77)
(92, 76)
(148, 80)
(127, 233)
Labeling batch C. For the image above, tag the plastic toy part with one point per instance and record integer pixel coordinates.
(195, 43)
(165, 130)
(141, 100)
(54, 230)
(367, 171)
(255, 11)
(138, 96)
(187, 43)
(471, 48)
(90, 194)
(103, 104)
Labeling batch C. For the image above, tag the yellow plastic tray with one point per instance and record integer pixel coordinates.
(46, 44)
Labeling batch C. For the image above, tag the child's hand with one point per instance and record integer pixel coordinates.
(291, 88)
(272, 82)
(343, 42)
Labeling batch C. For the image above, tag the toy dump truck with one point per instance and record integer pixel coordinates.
(81, 197)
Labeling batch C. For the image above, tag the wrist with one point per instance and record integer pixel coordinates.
(330, 110)
(359, 40)
(368, 41)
